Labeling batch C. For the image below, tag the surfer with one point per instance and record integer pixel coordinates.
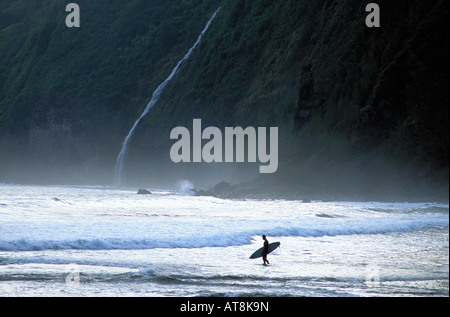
(265, 250)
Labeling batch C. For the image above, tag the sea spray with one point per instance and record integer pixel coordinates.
(118, 173)
(185, 187)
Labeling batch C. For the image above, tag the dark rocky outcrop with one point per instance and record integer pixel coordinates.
(142, 191)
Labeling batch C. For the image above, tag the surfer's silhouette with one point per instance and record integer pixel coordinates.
(265, 250)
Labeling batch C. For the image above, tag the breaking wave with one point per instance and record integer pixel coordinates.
(198, 234)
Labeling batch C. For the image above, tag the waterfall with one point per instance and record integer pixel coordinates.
(155, 97)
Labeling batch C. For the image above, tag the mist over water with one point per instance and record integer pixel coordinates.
(118, 174)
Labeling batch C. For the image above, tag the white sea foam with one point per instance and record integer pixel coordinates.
(168, 244)
(147, 233)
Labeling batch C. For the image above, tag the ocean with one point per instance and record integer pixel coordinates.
(95, 241)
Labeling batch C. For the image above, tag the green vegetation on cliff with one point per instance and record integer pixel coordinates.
(360, 110)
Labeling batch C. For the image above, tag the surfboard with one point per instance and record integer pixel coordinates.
(258, 253)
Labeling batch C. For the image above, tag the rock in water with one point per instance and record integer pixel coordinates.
(223, 188)
(142, 191)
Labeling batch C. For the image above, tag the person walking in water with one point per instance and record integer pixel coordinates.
(265, 250)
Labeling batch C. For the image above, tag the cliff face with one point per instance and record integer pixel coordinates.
(360, 110)
(68, 95)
